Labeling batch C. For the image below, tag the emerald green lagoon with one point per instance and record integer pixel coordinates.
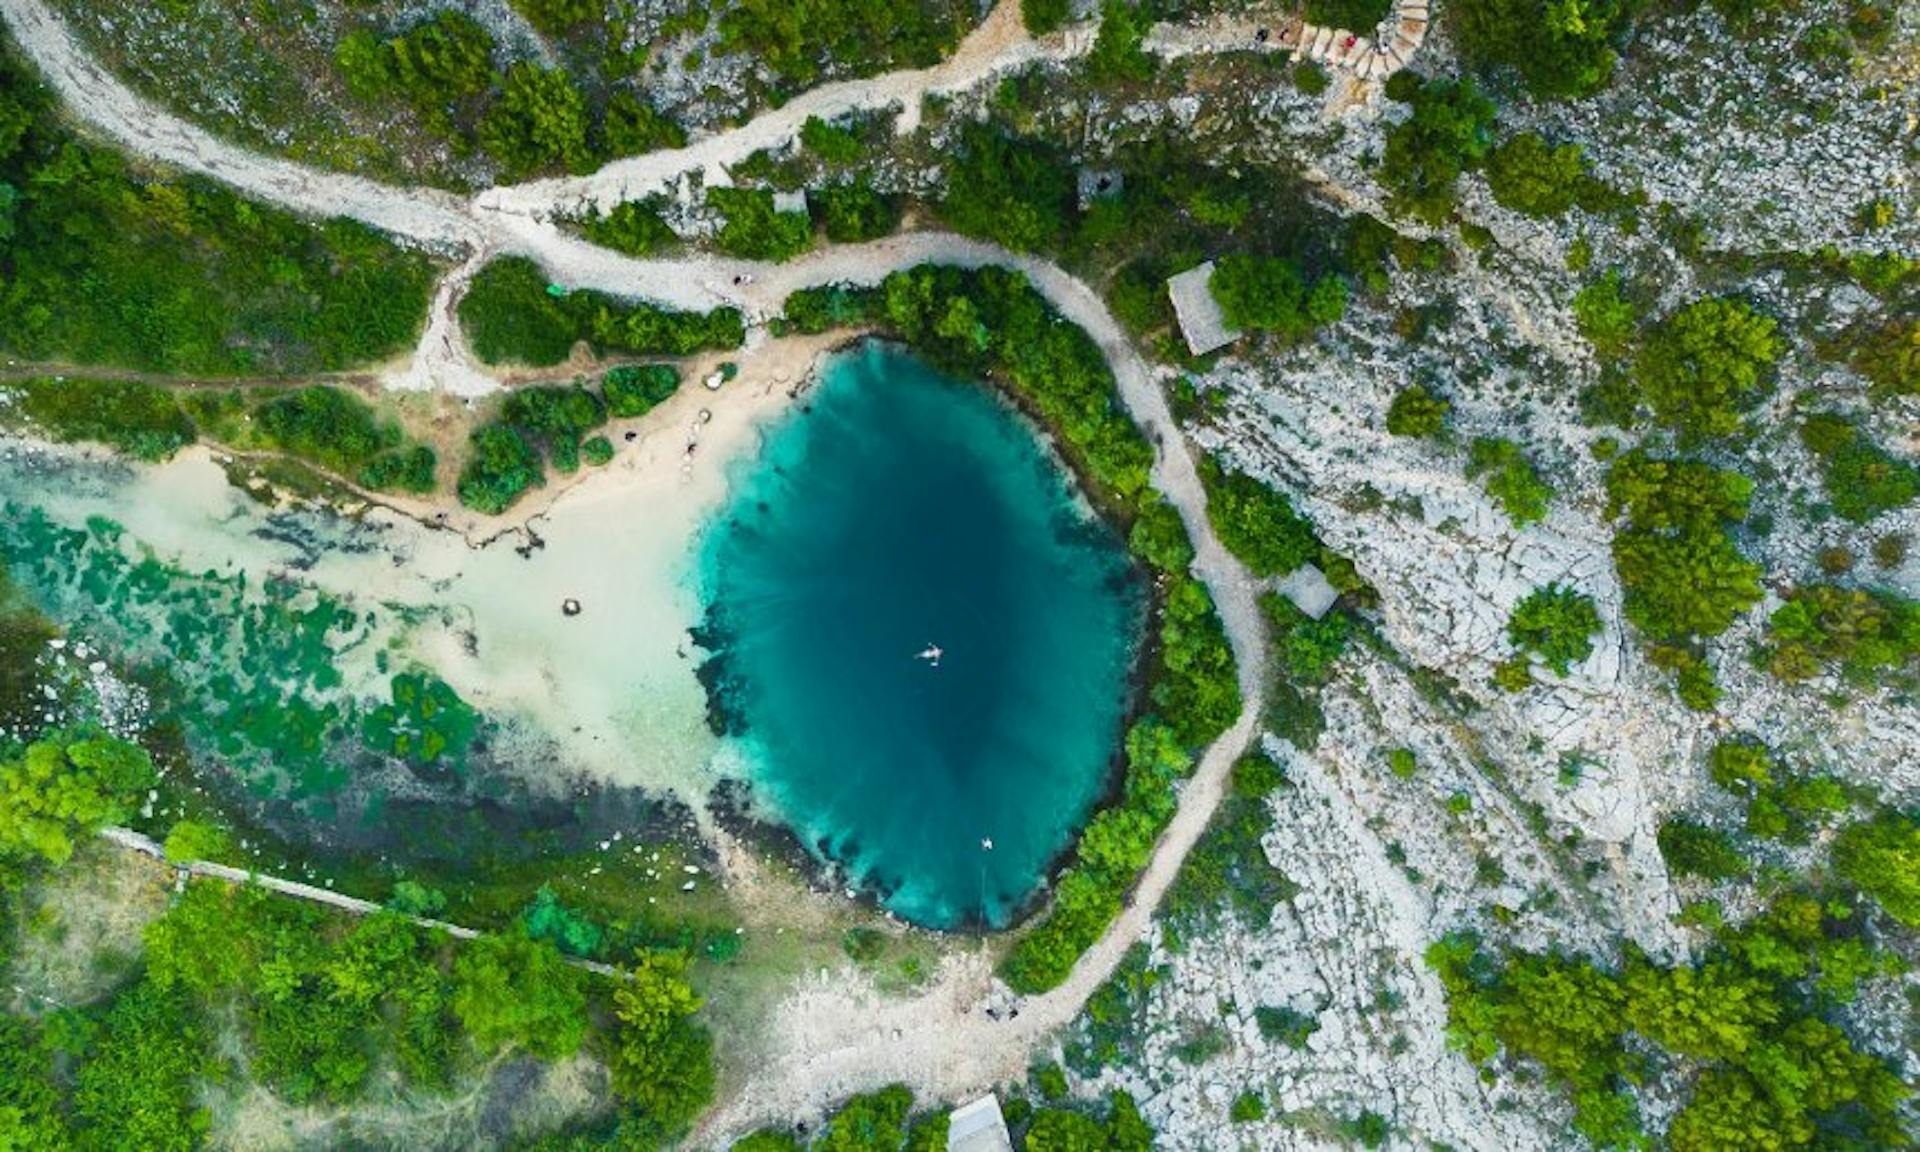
(897, 511)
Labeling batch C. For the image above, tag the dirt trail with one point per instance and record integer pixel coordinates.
(829, 1038)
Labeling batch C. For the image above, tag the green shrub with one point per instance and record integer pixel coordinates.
(1862, 479)
(1560, 52)
(1044, 16)
(1285, 1025)
(1693, 849)
(633, 126)
(1865, 633)
(1510, 478)
(753, 230)
(1308, 648)
(1118, 55)
(634, 390)
(1555, 623)
(1257, 523)
(633, 227)
(1680, 571)
(66, 787)
(136, 1089)
(1535, 178)
(1606, 317)
(1889, 355)
(1881, 857)
(538, 123)
(1270, 294)
(1354, 15)
(797, 39)
(1449, 133)
(142, 420)
(1012, 191)
(597, 451)
(510, 317)
(1310, 78)
(853, 210)
(1247, 1107)
(1403, 763)
(1701, 366)
(1417, 412)
(501, 467)
(326, 425)
(514, 992)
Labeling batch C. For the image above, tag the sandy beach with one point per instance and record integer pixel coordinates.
(614, 686)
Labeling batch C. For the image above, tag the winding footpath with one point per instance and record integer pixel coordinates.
(940, 1040)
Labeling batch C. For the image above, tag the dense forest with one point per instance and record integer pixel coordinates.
(102, 264)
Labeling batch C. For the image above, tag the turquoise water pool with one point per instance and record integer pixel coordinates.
(896, 512)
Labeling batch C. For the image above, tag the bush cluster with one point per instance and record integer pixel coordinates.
(529, 119)
(1862, 479)
(1560, 51)
(1448, 133)
(510, 317)
(551, 423)
(320, 424)
(1510, 478)
(1556, 624)
(753, 230)
(1769, 1071)
(1866, 634)
(107, 265)
(799, 40)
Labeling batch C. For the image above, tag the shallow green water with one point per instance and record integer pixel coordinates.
(900, 510)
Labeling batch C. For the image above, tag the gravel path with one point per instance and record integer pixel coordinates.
(828, 1039)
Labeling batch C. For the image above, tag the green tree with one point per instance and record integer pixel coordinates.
(1862, 479)
(512, 991)
(1510, 478)
(1257, 523)
(1533, 177)
(872, 1122)
(1272, 295)
(754, 230)
(65, 787)
(632, 126)
(853, 210)
(501, 467)
(1703, 364)
(136, 1087)
(1118, 55)
(1449, 133)
(1691, 848)
(633, 227)
(1561, 48)
(662, 1061)
(1680, 571)
(1606, 317)
(1881, 857)
(1417, 412)
(1058, 1130)
(1044, 16)
(1555, 623)
(1014, 192)
(538, 123)
(30, 1114)
(558, 17)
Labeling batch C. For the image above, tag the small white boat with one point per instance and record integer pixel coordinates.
(931, 654)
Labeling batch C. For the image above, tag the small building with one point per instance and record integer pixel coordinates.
(790, 202)
(1309, 590)
(978, 1127)
(1201, 321)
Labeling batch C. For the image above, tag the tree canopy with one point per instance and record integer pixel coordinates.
(65, 787)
